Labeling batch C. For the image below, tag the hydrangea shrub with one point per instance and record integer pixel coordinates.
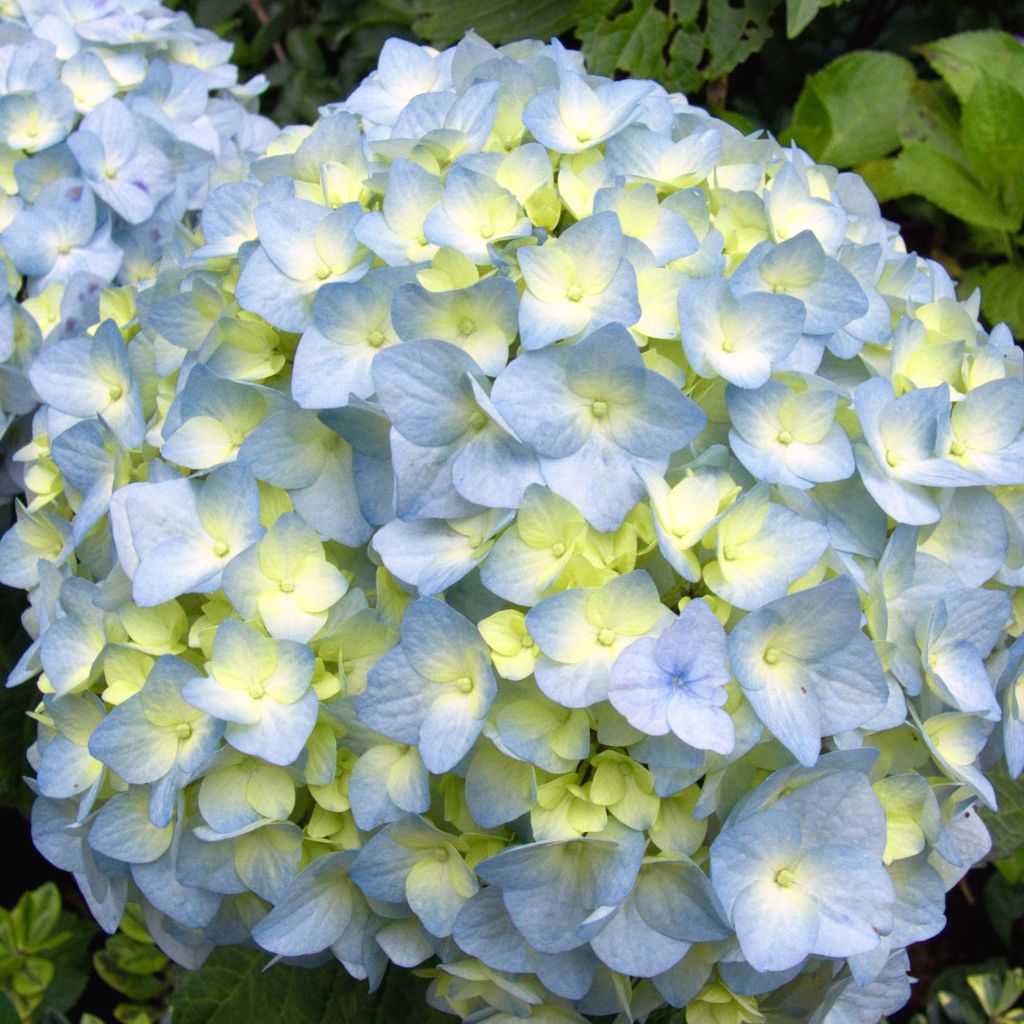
(535, 534)
(114, 117)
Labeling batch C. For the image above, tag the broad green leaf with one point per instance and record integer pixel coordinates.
(1012, 867)
(996, 992)
(883, 179)
(501, 21)
(1002, 297)
(233, 987)
(933, 118)
(963, 58)
(216, 12)
(48, 1015)
(937, 177)
(992, 127)
(851, 111)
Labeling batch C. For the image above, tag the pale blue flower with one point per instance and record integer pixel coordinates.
(122, 168)
(677, 682)
(806, 667)
(176, 536)
(455, 439)
(577, 283)
(433, 690)
(594, 414)
(804, 876)
(261, 689)
(302, 246)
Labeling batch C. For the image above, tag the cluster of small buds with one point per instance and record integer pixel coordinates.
(533, 533)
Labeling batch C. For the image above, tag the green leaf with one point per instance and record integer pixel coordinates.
(632, 41)
(996, 992)
(1012, 867)
(963, 58)
(1002, 300)
(800, 13)
(735, 33)
(883, 179)
(685, 53)
(1006, 826)
(992, 127)
(8, 1014)
(499, 21)
(51, 1016)
(927, 172)
(933, 119)
(35, 917)
(17, 731)
(850, 112)
(72, 962)
(691, 43)
(210, 13)
(134, 969)
(232, 987)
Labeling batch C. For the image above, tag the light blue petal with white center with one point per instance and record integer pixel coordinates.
(736, 337)
(480, 319)
(281, 732)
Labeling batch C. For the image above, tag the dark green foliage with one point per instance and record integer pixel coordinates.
(682, 44)
(983, 994)
(234, 987)
(44, 955)
(956, 140)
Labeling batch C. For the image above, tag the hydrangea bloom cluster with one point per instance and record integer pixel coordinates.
(540, 535)
(113, 115)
